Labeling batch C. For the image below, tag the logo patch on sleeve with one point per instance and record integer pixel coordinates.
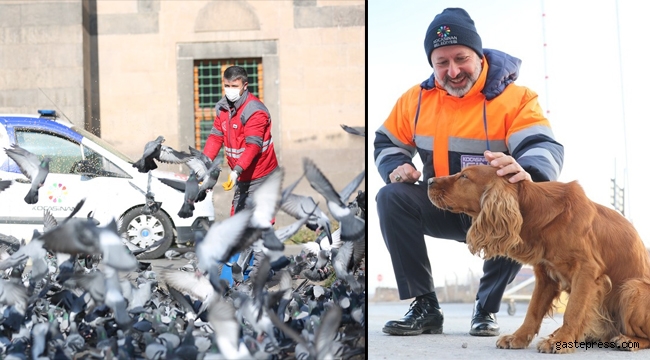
(469, 160)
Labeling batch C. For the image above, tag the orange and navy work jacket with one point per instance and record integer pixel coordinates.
(450, 133)
(245, 132)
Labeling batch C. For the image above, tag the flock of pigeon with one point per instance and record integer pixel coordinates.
(204, 172)
(77, 290)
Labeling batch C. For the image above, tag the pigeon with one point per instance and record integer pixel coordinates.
(187, 350)
(136, 297)
(13, 293)
(50, 222)
(319, 271)
(114, 297)
(322, 259)
(33, 250)
(237, 272)
(197, 287)
(156, 150)
(135, 249)
(265, 201)
(39, 339)
(18, 346)
(282, 235)
(93, 312)
(94, 283)
(240, 231)
(208, 182)
(352, 227)
(227, 329)
(9, 244)
(343, 263)
(83, 237)
(154, 349)
(300, 206)
(174, 184)
(191, 193)
(4, 184)
(199, 163)
(32, 167)
(323, 344)
(252, 308)
(222, 240)
(74, 341)
(172, 254)
(297, 265)
(361, 202)
(285, 293)
(356, 130)
(326, 332)
(151, 206)
(170, 339)
(183, 301)
(207, 171)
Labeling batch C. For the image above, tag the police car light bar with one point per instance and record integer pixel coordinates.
(47, 113)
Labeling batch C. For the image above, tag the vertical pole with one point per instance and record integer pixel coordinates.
(626, 184)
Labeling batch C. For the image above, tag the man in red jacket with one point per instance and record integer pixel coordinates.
(243, 126)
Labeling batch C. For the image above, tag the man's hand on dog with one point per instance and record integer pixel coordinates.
(507, 165)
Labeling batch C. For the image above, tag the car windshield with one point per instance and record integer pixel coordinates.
(102, 143)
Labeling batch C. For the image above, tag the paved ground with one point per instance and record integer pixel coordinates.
(449, 345)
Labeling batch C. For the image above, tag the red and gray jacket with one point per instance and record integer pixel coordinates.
(245, 132)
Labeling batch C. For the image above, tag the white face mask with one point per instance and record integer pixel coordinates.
(232, 94)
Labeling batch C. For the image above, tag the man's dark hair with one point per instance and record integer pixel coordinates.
(235, 72)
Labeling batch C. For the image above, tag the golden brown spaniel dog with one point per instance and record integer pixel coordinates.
(574, 244)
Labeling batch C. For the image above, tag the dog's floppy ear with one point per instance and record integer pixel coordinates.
(496, 228)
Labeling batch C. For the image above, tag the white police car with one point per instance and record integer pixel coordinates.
(104, 184)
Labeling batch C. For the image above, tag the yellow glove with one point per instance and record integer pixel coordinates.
(232, 181)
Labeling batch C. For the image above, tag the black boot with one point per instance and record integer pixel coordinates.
(424, 316)
(483, 323)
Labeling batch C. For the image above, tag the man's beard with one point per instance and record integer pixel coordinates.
(471, 80)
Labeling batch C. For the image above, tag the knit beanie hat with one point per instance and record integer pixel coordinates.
(452, 26)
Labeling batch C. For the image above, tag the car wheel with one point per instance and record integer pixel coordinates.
(144, 230)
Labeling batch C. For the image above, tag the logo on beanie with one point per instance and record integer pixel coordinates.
(444, 37)
(443, 31)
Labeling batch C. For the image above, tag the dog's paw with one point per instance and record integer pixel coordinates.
(512, 342)
(552, 346)
(623, 343)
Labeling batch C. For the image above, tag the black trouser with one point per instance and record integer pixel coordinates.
(405, 215)
(242, 191)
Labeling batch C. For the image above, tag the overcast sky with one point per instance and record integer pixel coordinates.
(592, 85)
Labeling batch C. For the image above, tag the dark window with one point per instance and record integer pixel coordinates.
(62, 152)
(67, 157)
